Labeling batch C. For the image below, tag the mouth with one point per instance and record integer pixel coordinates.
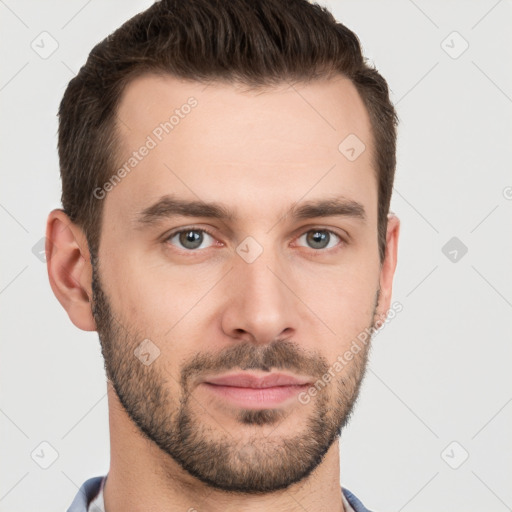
(256, 392)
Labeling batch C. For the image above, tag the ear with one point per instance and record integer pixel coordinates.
(388, 266)
(69, 268)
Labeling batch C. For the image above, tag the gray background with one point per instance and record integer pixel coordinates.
(438, 388)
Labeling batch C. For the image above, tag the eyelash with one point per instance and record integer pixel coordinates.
(209, 232)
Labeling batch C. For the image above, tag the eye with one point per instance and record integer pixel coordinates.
(321, 238)
(191, 239)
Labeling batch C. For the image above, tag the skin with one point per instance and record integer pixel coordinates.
(257, 153)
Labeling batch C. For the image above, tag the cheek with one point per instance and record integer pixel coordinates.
(154, 304)
(345, 302)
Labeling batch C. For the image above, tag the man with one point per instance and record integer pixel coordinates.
(227, 170)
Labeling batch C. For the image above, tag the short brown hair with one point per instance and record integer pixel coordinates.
(254, 42)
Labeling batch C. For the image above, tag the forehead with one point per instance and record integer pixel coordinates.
(256, 151)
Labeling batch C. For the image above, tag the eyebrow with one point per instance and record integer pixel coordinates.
(171, 206)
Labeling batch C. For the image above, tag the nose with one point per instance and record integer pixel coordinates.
(261, 305)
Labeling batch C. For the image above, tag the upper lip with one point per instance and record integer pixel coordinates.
(247, 380)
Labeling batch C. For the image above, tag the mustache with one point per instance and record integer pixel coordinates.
(280, 354)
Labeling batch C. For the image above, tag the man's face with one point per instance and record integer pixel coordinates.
(261, 292)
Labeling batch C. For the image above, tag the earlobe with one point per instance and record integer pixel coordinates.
(69, 268)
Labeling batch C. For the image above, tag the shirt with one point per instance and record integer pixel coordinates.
(90, 498)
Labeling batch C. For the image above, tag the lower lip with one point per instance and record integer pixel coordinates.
(256, 398)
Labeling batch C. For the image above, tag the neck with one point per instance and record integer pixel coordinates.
(142, 477)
